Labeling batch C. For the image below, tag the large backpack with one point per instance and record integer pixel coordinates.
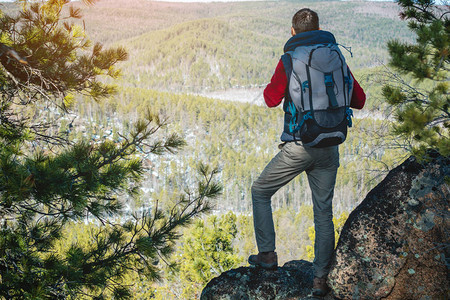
(319, 91)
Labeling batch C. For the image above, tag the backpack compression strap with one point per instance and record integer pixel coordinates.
(329, 84)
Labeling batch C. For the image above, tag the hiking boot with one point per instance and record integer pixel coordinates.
(320, 287)
(266, 260)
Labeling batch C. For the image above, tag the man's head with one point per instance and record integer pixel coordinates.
(305, 20)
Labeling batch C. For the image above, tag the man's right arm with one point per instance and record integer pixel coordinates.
(358, 97)
(275, 90)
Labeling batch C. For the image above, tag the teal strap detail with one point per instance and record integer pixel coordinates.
(349, 49)
(305, 85)
(305, 117)
(349, 116)
(293, 120)
(330, 90)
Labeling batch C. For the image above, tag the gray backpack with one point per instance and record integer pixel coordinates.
(320, 88)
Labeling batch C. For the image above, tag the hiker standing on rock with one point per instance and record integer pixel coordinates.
(318, 90)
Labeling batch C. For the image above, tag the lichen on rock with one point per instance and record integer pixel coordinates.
(388, 245)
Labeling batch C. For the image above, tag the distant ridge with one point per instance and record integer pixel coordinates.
(237, 45)
(204, 47)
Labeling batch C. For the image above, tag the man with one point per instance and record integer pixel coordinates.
(320, 164)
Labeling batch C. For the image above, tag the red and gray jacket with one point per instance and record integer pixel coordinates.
(276, 90)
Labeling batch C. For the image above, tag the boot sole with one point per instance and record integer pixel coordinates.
(319, 293)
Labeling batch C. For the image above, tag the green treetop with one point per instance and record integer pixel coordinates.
(422, 107)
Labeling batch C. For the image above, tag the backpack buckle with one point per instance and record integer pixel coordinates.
(349, 113)
(328, 80)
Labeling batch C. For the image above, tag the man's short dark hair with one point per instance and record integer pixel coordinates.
(305, 20)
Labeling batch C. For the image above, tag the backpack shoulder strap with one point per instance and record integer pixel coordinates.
(286, 59)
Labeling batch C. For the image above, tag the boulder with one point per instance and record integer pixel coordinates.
(395, 244)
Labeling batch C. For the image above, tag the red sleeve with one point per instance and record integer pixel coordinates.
(274, 91)
(358, 96)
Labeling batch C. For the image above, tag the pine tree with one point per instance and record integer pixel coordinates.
(422, 107)
(208, 251)
(208, 248)
(48, 182)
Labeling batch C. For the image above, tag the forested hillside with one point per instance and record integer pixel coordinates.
(180, 50)
(240, 138)
(223, 45)
(215, 46)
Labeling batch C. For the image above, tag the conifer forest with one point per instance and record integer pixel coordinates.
(132, 131)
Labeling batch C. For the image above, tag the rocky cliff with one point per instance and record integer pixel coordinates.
(394, 245)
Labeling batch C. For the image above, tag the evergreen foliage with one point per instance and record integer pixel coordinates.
(422, 112)
(208, 248)
(46, 181)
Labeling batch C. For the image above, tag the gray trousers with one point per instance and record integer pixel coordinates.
(320, 165)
